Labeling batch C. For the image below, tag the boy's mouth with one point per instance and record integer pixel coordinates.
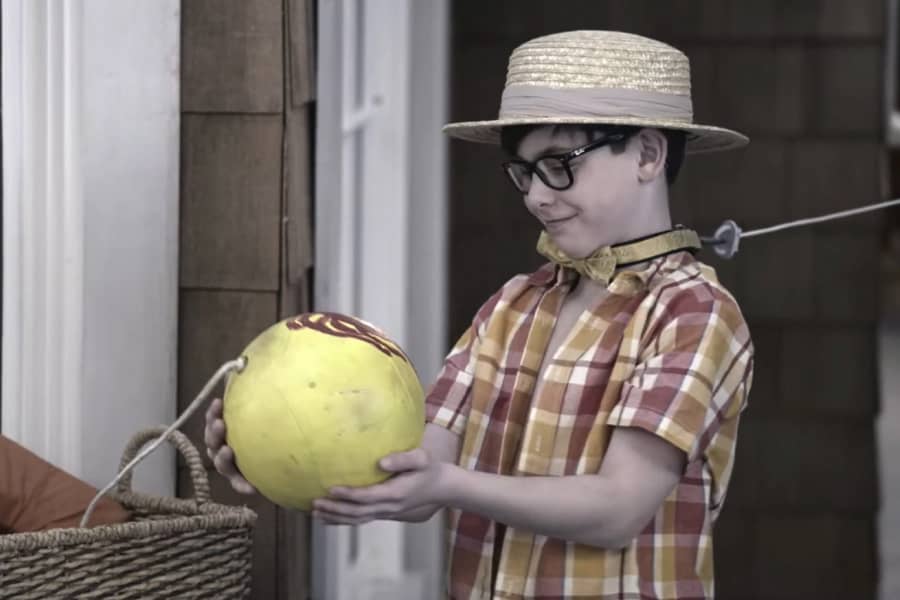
(557, 222)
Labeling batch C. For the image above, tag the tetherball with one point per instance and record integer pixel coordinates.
(321, 399)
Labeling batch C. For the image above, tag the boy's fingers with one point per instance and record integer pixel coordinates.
(224, 462)
(225, 465)
(241, 485)
(405, 461)
(214, 434)
(214, 411)
(221, 455)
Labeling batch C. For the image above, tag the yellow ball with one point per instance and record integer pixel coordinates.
(322, 398)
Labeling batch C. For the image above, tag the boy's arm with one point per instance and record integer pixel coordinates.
(605, 510)
(443, 444)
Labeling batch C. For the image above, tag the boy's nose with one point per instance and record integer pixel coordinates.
(539, 194)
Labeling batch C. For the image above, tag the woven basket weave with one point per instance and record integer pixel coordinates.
(172, 548)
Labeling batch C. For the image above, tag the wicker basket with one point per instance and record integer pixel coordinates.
(172, 548)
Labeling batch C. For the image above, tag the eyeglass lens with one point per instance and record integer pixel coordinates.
(551, 170)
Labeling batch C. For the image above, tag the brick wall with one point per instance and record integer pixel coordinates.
(804, 80)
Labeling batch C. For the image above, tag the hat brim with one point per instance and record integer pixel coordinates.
(701, 138)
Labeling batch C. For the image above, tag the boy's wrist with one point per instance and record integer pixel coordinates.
(447, 484)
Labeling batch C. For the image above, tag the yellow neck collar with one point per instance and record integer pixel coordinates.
(602, 264)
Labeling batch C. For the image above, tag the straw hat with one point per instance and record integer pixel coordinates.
(599, 77)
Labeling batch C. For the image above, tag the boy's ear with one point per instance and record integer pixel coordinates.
(652, 154)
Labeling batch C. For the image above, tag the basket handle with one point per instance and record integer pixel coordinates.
(134, 453)
(191, 456)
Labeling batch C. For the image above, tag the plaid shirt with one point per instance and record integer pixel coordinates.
(667, 351)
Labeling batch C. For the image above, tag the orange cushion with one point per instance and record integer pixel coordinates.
(35, 495)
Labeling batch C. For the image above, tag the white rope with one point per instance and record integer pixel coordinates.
(729, 234)
(814, 220)
(237, 364)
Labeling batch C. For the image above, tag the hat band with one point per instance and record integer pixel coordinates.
(531, 101)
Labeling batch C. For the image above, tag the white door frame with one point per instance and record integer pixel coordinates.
(381, 239)
(90, 229)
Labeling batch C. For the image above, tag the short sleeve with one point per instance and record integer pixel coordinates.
(693, 376)
(447, 401)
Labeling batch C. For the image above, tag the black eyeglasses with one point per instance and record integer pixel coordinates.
(554, 169)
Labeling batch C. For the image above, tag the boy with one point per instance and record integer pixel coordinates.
(582, 431)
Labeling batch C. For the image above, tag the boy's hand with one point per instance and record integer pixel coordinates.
(416, 488)
(221, 455)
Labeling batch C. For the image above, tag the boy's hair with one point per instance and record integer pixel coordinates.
(512, 136)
